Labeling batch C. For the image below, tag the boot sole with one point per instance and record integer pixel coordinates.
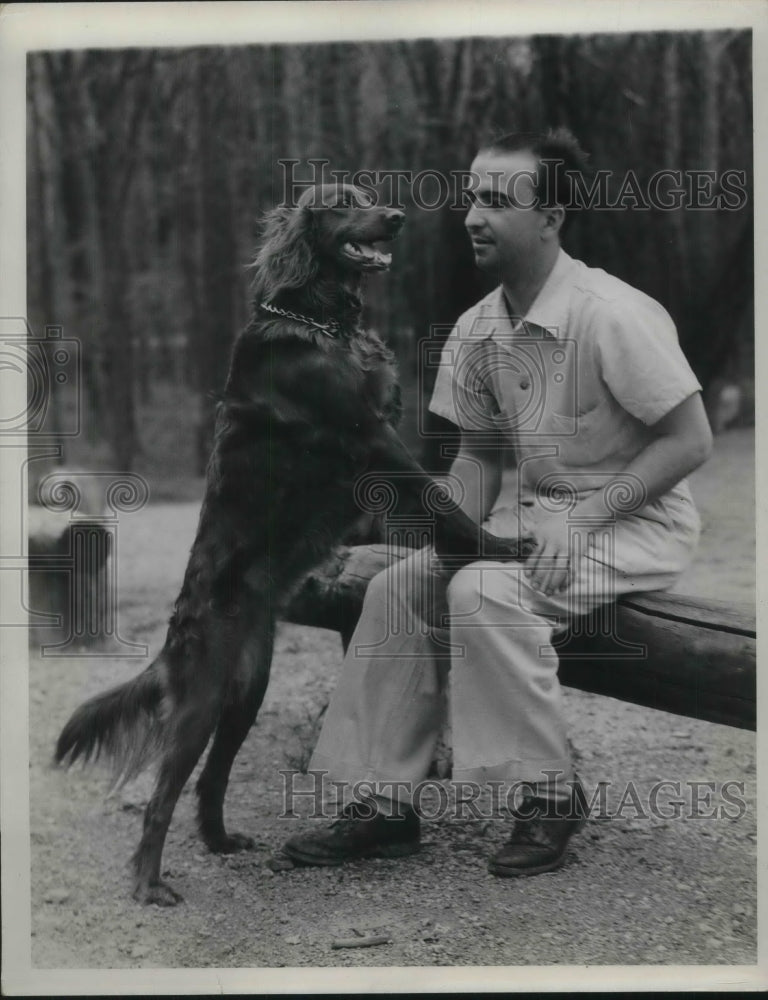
(383, 851)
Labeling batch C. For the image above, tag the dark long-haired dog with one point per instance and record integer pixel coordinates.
(309, 405)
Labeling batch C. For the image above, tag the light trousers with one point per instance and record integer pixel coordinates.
(480, 645)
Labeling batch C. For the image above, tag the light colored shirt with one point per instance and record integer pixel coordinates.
(573, 386)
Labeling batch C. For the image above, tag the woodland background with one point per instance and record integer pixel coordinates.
(148, 171)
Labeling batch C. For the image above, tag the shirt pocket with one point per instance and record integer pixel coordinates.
(601, 435)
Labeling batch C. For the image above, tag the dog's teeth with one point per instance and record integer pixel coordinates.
(368, 254)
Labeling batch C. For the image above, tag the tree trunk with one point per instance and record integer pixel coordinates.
(676, 253)
(120, 350)
(54, 287)
(218, 252)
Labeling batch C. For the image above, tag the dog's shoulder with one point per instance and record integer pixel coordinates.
(323, 378)
(264, 350)
(377, 361)
(292, 379)
(262, 338)
(370, 351)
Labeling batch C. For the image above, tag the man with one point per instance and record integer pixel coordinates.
(581, 378)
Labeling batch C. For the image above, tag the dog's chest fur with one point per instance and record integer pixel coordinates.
(376, 365)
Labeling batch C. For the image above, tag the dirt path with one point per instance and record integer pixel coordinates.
(637, 890)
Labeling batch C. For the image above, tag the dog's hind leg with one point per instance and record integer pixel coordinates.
(237, 717)
(188, 731)
(200, 674)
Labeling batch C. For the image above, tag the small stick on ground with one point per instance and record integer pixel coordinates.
(359, 942)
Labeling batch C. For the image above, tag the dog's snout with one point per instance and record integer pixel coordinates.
(395, 216)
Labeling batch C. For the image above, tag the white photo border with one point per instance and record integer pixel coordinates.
(29, 27)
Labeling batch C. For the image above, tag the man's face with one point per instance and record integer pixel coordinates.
(503, 224)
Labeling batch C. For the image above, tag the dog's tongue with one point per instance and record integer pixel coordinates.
(368, 254)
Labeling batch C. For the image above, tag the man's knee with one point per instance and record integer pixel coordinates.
(487, 590)
(404, 582)
(465, 591)
(380, 586)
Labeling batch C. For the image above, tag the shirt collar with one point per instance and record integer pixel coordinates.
(548, 314)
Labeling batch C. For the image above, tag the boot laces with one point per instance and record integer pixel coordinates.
(530, 831)
(353, 813)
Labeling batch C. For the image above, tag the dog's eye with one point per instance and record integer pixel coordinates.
(346, 203)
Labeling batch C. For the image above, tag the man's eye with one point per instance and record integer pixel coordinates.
(490, 201)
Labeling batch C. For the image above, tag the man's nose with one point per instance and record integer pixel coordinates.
(473, 219)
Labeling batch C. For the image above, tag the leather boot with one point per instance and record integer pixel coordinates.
(541, 833)
(358, 834)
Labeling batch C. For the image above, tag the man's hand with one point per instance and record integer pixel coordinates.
(548, 569)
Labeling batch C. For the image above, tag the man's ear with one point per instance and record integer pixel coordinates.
(553, 218)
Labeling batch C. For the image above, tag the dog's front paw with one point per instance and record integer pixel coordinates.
(456, 538)
(505, 549)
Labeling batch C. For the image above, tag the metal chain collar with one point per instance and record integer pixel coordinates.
(330, 329)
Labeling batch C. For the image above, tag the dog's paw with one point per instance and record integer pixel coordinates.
(526, 546)
(450, 542)
(230, 843)
(510, 548)
(157, 894)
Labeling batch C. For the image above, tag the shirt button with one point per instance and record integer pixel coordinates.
(524, 383)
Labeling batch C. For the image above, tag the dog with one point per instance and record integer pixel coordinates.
(310, 405)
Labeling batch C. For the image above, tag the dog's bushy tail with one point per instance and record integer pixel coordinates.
(124, 725)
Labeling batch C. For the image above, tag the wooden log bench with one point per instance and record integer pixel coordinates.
(679, 654)
(72, 537)
(66, 563)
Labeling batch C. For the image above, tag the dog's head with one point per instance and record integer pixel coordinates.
(334, 228)
(346, 224)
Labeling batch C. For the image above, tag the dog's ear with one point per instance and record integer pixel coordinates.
(285, 257)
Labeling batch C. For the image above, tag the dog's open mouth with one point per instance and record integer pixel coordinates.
(366, 256)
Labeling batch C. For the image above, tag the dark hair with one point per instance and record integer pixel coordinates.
(560, 158)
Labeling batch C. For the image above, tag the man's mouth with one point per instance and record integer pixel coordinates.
(366, 256)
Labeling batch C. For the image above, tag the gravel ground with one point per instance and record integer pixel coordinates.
(636, 890)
